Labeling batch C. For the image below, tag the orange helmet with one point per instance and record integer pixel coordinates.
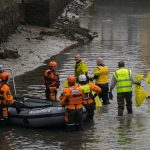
(4, 76)
(71, 79)
(52, 64)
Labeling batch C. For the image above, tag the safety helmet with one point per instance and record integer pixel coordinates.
(4, 76)
(71, 79)
(52, 63)
(82, 78)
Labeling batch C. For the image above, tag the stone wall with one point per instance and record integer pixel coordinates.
(35, 12)
(43, 12)
(56, 7)
(9, 17)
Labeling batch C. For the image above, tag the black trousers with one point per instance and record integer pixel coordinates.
(123, 98)
(75, 116)
(4, 122)
(104, 94)
(90, 111)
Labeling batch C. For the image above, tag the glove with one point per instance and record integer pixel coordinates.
(138, 83)
(110, 96)
(94, 96)
(91, 78)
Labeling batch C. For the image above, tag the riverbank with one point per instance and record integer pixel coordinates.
(32, 48)
(34, 44)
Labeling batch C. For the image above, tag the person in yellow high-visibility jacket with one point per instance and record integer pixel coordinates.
(80, 67)
(88, 97)
(101, 76)
(123, 80)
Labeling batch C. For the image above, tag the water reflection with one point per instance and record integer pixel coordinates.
(4, 140)
(125, 132)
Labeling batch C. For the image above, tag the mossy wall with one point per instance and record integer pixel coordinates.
(35, 12)
(43, 12)
(9, 17)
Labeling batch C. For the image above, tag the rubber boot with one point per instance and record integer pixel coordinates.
(130, 111)
(3, 122)
(120, 113)
(78, 127)
(69, 127)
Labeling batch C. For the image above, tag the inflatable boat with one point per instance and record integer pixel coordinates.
(38, 113)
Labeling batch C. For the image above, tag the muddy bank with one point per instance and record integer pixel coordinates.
(31, 45)
(32, 48)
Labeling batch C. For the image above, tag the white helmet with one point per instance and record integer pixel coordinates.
(82, 78)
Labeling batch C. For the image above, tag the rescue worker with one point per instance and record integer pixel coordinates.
(101, 77)
(72, 99)
(123, 80)
(52, 82)
(88, 98)
(6, 98)
(80, 67)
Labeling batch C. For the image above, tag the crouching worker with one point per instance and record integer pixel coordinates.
(72, 99)
(88, 98)
(6, 98)
(51, 79)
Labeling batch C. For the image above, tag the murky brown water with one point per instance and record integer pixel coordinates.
(124, 33)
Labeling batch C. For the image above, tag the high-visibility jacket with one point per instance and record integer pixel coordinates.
(123, 78)
(87, 89)
(51, 78)
(5, 98)
(80, 68)
(103, 74)
(72, 97)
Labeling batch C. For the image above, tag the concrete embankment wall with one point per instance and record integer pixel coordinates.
(35, 12)
(43, 12)
(9, 17)
(56, 7)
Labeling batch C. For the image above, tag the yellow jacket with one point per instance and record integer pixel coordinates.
(123, 77)
(80, 68)
(103, 74)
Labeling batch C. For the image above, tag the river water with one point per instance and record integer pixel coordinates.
(124, 34)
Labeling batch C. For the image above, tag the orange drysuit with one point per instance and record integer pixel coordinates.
(52, 83)
(5, 98)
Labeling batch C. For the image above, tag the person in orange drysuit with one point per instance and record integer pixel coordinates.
(51, 79)
(6, 98)
(72, 99)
